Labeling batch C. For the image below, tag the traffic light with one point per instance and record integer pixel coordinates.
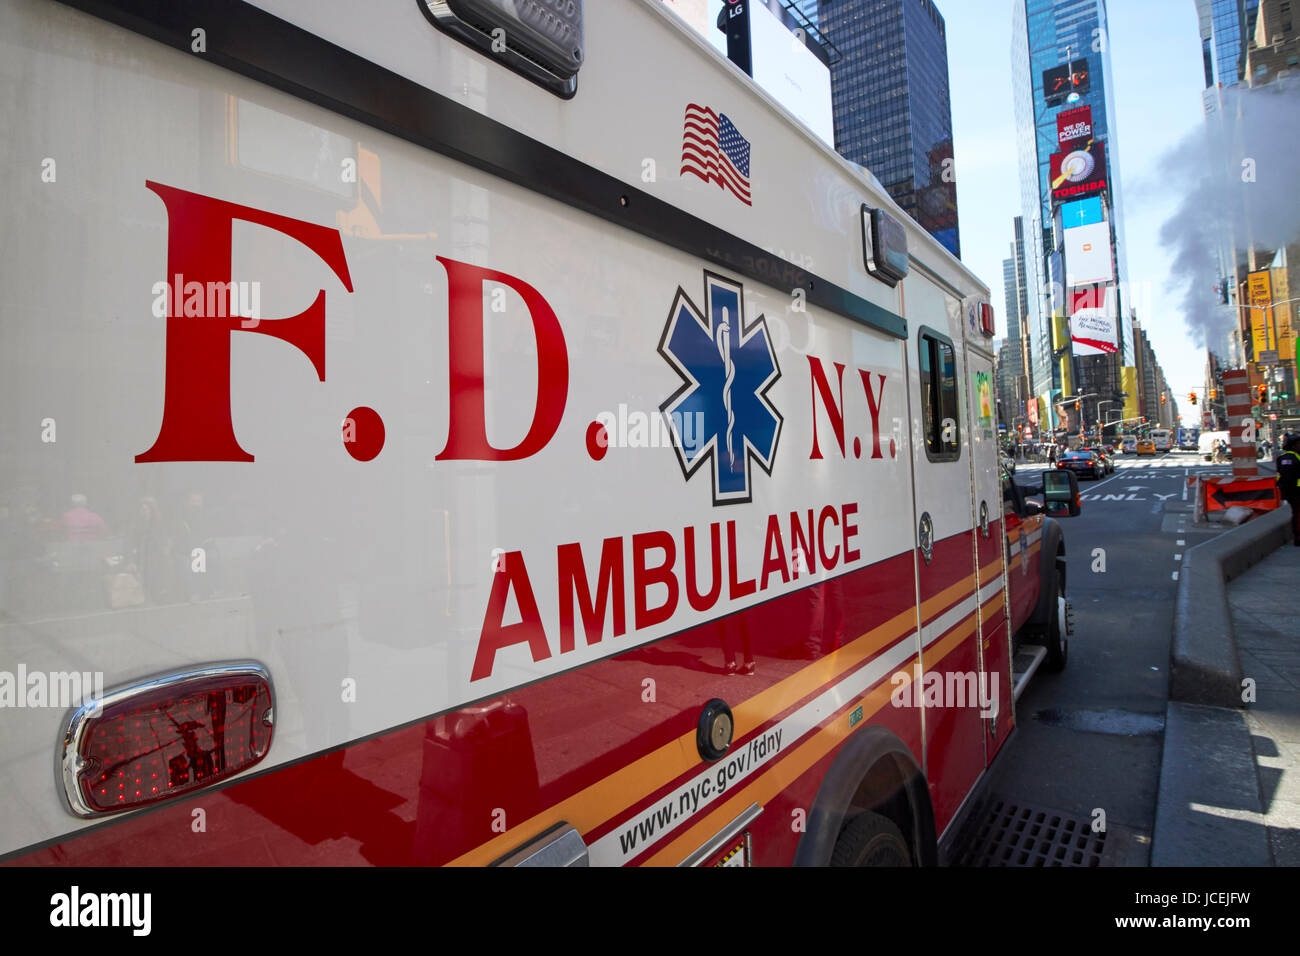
(1262, 394)
(1191, 398)
(1162, 399)
(1214, 394)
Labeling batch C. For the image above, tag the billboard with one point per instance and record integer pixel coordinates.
(1081, 212)
(1061, 81)
(1094, 320)
(791, 73)
(1079, 173)
(1073, 127)
(1056, 276)
(1260, 292)
(1088, 257)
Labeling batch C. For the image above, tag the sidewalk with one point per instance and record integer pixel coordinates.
(1267, 624)
(1229, 790)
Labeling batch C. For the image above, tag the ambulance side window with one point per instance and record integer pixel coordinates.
(940, 411)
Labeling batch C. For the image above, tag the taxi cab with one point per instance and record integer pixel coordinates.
(1146, 446)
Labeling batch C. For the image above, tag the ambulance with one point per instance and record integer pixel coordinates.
(474, 432)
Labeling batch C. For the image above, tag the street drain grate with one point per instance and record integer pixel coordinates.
(1013, 833)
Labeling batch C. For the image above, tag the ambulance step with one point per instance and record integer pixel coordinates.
(1023, 666)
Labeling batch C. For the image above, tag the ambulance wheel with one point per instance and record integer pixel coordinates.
(1057, 636)
(871, 840)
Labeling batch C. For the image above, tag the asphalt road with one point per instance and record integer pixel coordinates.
(1089, 739)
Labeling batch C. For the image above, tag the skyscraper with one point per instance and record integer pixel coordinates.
(1225, 35)
(892, 108)
(1080, 335)
(1015, 361)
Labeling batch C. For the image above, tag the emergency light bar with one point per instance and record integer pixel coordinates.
(884, 246)
(538, 39)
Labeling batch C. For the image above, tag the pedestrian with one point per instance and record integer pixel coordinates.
(1288, 482)
(81, 524)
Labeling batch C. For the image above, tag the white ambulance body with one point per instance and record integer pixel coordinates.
(430, 467)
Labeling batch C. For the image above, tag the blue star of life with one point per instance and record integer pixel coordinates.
(721, 413)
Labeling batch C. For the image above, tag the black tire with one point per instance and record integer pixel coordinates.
(871, 840)
(1055, 640)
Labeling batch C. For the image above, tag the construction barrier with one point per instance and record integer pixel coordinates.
(1220, 494)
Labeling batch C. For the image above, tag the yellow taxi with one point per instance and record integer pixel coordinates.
(1146, 446)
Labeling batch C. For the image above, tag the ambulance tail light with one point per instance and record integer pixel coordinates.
(166, 737)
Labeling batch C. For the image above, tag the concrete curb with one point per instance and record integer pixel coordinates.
(1208, 809)
(1206, 668)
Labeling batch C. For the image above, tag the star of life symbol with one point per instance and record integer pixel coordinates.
(726, 367)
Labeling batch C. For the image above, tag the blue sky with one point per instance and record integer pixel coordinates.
(1155, 52)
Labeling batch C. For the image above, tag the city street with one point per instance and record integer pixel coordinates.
(1089, 739)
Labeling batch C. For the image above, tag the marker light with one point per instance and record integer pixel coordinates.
(166, 737)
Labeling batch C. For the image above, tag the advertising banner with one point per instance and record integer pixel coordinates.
(1078, 173)
(1056, 275)
(1048, 414)
(1259, 291)
(1073, 127)
(1088, 257)
(791, 73)
(1283, 324)
(1094, 320)
(1286, 332)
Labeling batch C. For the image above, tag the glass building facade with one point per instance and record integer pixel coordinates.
(1046, 35)
(1226, 26)
(892, 109)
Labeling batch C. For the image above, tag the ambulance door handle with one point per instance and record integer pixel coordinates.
(561, 845)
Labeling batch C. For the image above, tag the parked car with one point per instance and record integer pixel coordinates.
(1082, 463)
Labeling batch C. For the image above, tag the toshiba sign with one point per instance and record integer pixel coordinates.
(1078, 173)
(1073, 126)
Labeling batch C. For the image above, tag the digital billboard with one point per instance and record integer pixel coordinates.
(1079, 173)
(1087, 255)
(1081, 212)
(1073, 127)
(1060, 81)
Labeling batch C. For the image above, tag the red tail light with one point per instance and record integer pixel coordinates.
(166, 737)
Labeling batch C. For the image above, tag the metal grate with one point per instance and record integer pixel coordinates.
(1013, 833)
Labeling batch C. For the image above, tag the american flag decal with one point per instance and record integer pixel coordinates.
(714, 150)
